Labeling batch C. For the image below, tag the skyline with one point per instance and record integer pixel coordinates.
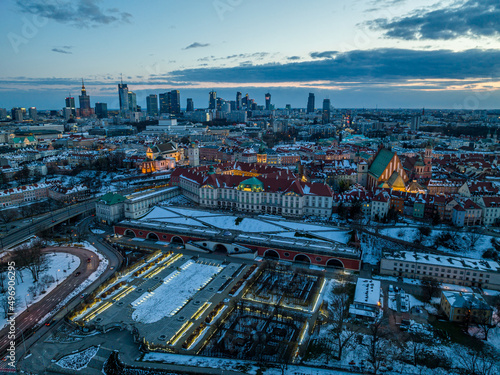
(355, 54)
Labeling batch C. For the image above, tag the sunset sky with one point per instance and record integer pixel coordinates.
(358, 53)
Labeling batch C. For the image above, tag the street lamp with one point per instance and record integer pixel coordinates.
(26, 301)
(57, 278)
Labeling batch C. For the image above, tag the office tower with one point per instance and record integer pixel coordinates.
(3, 113)
(175, 100)
(415, 122)
(238, 100)
(132, 101)
(310, 103)
(189, 105)
(101, 110)
(16, 114)
(233, 105)
(212, 100)
(33, 114)
(268, 102)
(288, 107)
(246, 102)
(70, 103)
(67, 113)
(325, 116)
(165, 102)
(220, 101)
(123, 96)
(84, 100)
(152, 105)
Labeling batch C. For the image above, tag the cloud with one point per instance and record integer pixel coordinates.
(60, 50)
(322, 55)
(197, 45)
(378, 64)
(294, 58)
(80, 13)
(472, 18)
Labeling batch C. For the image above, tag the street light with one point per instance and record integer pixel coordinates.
(26, 301)
(57, 278)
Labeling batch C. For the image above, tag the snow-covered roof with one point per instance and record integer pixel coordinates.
(367, 292)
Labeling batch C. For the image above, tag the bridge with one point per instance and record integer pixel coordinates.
(44, 222)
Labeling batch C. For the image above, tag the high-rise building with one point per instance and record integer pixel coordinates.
(17, 114)
(325, 116)
(175, 100)
(33, 114)
(268, 102)
(152, 105)
(165, 103)
(123, 96)
(415, 122)
(70, 103)
(238, 100)
(132, 101)
(67, 113)
(212, 100)
(3, 113)
(84, 100)
(310, 103)
(189, 105)
(101, 110)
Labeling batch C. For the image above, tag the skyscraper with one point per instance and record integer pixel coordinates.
(132, 101)
(238, 100)
(212, 100)
(16, 114)
(33, 113)
(152, 105)
(310, 103)
(175, 100)
(123, 96)
(70, 103)
(84, 100)
(268, 102)
(101, 110)
(165, 103)
(325, 116)
(189, 105)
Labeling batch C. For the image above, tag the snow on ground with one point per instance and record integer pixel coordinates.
(59, 267)
(158, 213)
(301, 226)
(405, 234)
(97, 231)
(494, 337)
(179, 200)
(78, 361)
(192, 213)
(181, 220)
(174, 293)
(245, 225)
(233, 365)
(338, 236)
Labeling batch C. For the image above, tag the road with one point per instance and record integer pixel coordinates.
(27, 320)
(20, 234)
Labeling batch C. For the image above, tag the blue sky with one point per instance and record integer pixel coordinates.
(358, 53)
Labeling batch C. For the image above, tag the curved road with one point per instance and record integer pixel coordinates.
(30, 317)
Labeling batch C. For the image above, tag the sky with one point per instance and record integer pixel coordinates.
(357, 53)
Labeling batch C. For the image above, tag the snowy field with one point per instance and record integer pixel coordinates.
(59, 267)
(174, 293)
(78, 361)
(245, 225)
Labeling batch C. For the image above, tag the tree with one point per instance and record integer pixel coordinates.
(6, 216)
(356, 209)
(477, 360)
(23, 175)
(423, 231)
(473, 236)
(430, 288)
(30, 256)
(338, 313)
(377, 348)
(485, 324)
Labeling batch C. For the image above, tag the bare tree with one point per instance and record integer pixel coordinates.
(30, 256)
(377, 348)
(7, 216)
(477, 361)
(338, 313)
(430, 288)
(473, 236)
(486, 324)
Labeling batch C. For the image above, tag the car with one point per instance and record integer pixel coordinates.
(50, 322)
(77, 274)
(83, 295)
(391, 288)
(111, 268)
(89, 260)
